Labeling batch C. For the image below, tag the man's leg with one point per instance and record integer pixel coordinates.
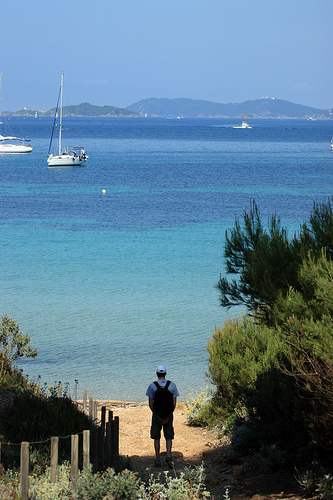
(168, 447)
(157, 445)
(155, 434)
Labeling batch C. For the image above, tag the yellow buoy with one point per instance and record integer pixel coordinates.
(103, 191)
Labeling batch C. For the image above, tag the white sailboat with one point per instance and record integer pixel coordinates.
(8, 147)
(66, 157)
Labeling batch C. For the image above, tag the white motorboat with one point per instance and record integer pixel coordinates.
(332, 143)
(69, 157)
(244, 125)
(6, 142)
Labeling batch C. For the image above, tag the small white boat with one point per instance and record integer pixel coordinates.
(244, 125)
(9, 147)
(6, 144)
(69, 157)
(332, 143)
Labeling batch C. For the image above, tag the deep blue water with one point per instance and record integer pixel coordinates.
(108, 286)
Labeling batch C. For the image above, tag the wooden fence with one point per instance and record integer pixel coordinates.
(100, 448)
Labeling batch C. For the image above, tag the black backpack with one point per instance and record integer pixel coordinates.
(163, 400)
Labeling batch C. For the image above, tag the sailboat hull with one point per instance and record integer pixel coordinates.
(15, 148)
(66, 160)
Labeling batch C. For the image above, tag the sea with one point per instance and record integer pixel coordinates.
(109, 284)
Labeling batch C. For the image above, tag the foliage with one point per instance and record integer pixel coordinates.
(265, 262)
(194, 405)
(92, 486)
(316, 481)
(40, 486)
(272, 420)
(189, 486)
(109, 486)
(274, 373)
(325, 487)
(318, 233)
(37, 418)
(238, 353)
(34, 418)
(13, 345)
(14, 380)
(304, 321)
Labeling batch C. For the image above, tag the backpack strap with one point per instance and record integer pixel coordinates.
(166, 385)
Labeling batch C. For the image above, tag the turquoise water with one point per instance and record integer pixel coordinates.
(108, 286)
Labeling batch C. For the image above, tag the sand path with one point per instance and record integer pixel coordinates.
(244, 478)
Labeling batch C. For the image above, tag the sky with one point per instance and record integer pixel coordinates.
(118, 52)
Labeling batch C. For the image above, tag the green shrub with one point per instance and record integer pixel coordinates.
(40, 486)
(108, 486)
(95, 486)
(189, 486)
(13, 345)
(239, 352)
(32, 418)
(195, 405)
(125, 486)
(273, 423)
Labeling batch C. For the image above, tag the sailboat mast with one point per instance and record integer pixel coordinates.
(60, 125)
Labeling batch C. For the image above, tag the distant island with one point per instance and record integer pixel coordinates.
(266, 107)
(84, 109)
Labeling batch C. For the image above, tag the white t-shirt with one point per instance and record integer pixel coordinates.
(152, 388)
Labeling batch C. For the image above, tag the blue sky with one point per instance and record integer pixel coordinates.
(119, 52)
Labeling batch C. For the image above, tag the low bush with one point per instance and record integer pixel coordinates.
(194, 407)
(238, 353)
(36, 419)
(273, 420)
(109, 486)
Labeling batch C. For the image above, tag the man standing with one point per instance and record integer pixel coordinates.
(162, 396)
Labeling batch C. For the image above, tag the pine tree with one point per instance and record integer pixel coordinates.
(265, 262)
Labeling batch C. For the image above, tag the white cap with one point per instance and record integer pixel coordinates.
(161, 369)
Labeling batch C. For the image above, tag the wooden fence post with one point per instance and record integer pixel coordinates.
(113, 441)
(74, 458)
(54, 459)
(86, 449)
(103, 415)
(102, 439)
(94, 452)
(108, 444)
(116, 419)
(91, 407)
(84, 401)
(24, 470)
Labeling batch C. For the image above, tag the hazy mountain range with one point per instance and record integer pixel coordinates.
(191, 108)
(259, 108)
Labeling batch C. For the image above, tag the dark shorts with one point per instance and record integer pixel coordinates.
(156, 427)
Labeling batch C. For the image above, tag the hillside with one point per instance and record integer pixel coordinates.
(84, 109)
(259, 108)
